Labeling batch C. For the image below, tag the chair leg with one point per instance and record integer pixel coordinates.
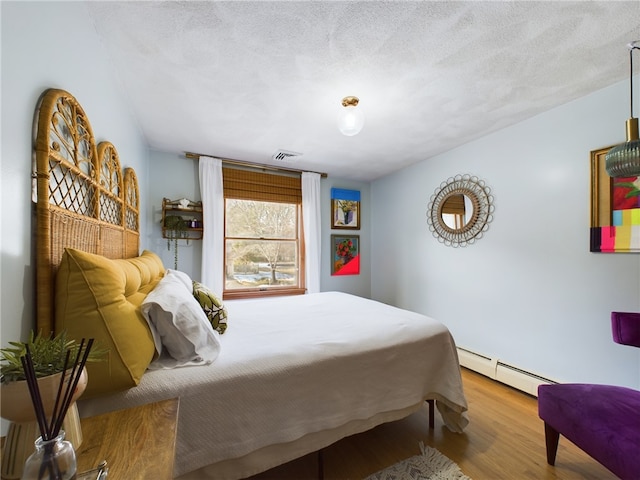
(551, 437)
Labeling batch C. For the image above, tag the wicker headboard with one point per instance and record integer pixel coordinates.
(84, 200)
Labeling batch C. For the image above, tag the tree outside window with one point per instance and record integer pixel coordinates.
(262, 244)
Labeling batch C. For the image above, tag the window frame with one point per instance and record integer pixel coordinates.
(270, 291)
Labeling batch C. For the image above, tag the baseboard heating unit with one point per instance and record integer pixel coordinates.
(502, 372)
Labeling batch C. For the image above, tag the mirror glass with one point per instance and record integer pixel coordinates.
(457, 211)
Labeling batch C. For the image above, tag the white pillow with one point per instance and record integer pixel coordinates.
(182, 276)
(181, 331)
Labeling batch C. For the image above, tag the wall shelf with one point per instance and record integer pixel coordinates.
(181, 219)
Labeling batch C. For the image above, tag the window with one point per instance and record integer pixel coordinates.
(263, 234)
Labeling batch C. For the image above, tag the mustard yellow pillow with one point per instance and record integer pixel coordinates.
(100, 298)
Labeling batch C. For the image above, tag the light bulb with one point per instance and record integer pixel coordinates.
(351, 118)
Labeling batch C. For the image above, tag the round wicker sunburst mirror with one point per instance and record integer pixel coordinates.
(460, 210)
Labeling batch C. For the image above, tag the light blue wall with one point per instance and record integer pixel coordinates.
(49, 45)
(355, 284)
(173, 176)
(529, 293)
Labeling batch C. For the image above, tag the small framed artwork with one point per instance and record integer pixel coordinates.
(345, 208)
(345, 254)
(615, 209)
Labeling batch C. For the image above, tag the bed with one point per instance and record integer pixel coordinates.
(292, 375)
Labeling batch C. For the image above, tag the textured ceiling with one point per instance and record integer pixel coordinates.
(243, 80)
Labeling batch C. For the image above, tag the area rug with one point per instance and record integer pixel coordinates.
(430, 465)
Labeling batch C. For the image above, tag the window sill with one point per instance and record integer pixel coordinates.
(273, 292)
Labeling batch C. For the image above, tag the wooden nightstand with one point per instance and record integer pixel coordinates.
(137, 443)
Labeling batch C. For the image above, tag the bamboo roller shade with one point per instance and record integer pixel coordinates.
(454, 205)
(260, 186)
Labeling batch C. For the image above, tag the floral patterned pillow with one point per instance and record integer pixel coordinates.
(212, 306)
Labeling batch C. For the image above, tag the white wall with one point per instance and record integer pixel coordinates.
(529, 293)
(40, 52)
(173, 176)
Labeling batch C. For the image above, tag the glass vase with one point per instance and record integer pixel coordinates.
(53, 459)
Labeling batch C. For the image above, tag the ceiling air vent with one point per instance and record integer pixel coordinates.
(285, 156)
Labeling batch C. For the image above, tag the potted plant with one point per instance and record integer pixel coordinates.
(48, 355)
(176, 228)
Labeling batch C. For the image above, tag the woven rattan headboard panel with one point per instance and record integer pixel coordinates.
(83, 199)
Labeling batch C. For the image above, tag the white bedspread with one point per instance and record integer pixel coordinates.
(289, 366)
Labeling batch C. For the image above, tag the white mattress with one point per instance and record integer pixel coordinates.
(295, 366)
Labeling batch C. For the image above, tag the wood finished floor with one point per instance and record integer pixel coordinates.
(504, 440)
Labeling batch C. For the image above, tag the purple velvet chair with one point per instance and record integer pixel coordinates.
(602, 420)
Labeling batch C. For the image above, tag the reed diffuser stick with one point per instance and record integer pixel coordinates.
(55, 406)
(34, 391)
(76, 373)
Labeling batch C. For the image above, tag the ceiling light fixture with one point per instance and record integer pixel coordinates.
(351, 119)
(624, 160)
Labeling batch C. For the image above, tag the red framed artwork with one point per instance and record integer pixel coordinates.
(345, 254)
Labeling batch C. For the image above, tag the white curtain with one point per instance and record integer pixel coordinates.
(212, 193)
(311, 224)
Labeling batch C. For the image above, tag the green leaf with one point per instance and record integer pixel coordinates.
(47, 354)
(633, 193)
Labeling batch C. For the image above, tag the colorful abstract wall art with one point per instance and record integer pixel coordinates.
(615, 209)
